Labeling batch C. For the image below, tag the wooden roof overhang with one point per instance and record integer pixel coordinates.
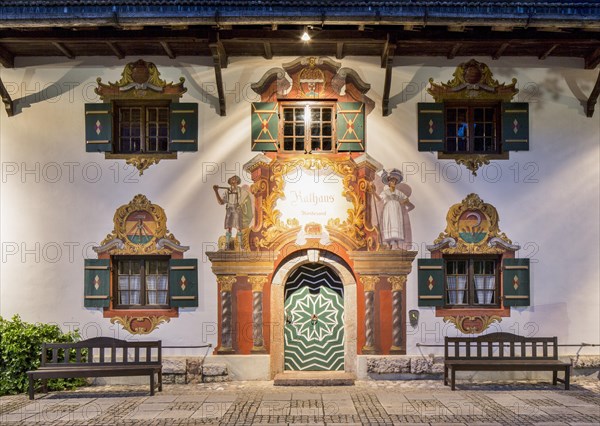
(221, 33)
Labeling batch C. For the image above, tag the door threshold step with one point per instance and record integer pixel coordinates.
(314, 378)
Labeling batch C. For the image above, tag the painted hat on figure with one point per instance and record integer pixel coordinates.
(386, 175)
(235, 178)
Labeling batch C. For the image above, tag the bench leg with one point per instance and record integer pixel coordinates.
(445, 375)
(45, 385)
(554, 377)
(160, 381)
(567, 377)
(31, 382)
(152, 384)
(453, 378)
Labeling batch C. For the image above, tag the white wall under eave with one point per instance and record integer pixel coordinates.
(550, 207)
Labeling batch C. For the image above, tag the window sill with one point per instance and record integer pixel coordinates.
(492, 310)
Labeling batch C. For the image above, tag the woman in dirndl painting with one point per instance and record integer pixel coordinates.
(391, 223)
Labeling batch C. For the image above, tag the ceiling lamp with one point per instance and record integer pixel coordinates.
(305, 35)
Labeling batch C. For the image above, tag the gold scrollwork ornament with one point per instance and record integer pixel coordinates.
(472, 324)
(137, 325)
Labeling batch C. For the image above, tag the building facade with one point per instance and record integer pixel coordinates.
(312, 209)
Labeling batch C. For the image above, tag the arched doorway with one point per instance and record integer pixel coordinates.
(293, 270)
(314, 319)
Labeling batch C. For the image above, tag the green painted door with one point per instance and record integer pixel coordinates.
(314, 319)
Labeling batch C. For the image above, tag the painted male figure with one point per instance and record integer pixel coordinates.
(238, 209)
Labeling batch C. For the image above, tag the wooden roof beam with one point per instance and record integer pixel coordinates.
(168, 50)
(7, 59)
(548, 52)
(339, 52)
(592, 61)
(387, 84)
(115, 49)
(500, 51)
(216, 47)
(454, 51)
(268, 51)
(8, 102)
(591, 102)
(63, 49)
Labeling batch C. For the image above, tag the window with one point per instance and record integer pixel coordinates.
(472, 129)
(141, 282)
(142, 128)
(471, 282)
(308, 127)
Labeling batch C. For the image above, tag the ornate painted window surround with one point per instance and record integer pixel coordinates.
(473, 85)
(140, 231)
(140, 86)
(304, 82)
(472, 232)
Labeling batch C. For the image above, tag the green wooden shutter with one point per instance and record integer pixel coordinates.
(515, 126)
(265, 126)
(183, 282)
(350, 126)
(183, 125)
(515, 282)
(96, 283)
(431, 282)
(98, 127)
(431, 126)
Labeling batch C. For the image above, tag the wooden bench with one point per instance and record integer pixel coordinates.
(98, 357)
(503, 352)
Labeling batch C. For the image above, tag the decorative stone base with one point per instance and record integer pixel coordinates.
(212, 373)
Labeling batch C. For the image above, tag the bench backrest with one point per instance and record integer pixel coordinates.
(101, 351)
(503, 346)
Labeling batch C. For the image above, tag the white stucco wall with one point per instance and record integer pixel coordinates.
(58, 201)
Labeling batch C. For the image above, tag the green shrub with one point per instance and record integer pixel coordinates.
(21, 350)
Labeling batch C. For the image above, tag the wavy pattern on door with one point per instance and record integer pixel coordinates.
(314, 329)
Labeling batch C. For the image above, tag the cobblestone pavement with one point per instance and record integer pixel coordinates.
(260, 403)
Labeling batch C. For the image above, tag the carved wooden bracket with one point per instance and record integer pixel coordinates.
(591, 102)
(8, 102)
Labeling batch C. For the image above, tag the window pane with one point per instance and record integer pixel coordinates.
(299, 114)
(478, 144)
(478, 114)
(326, 130)
(327, 114)
(288, 129)
(315, 144)
(450, 130)
(288, 114)
(315, 129)
(288, 144)
(327, 145)
(489, 114)
(315, 115)
(451, 114)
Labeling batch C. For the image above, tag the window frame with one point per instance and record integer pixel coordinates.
(470, 106)
(143, 288)
(321, 103)
(144, 105)
(471, 290)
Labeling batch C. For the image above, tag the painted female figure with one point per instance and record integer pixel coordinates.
(391, 223)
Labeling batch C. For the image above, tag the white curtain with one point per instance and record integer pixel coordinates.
(456, 289)
(135, 287)
(485, 286)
